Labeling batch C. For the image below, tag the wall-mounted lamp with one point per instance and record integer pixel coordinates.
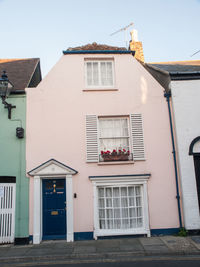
(5, 90)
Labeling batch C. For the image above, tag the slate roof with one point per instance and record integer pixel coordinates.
(95, 46)
(178, 66)
(164, 72)
(22, 73)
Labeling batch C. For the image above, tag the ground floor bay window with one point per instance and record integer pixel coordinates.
(120, 205)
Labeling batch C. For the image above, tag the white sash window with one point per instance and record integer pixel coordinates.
(114, 134)
(120, 207)
(99, 73)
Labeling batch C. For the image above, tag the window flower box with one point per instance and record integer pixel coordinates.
(120, 155)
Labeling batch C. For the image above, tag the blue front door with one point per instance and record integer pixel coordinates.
(54, 209)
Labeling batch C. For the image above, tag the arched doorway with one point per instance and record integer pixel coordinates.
(194, 150)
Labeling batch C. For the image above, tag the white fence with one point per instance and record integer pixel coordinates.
(7, 212)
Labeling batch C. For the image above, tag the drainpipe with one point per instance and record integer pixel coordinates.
(168, 95)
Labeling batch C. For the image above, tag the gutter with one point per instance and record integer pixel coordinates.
(66, 52)
(18, 92)
(168, 95)
(193, 75)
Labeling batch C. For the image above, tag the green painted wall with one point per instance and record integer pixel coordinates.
(12, 159)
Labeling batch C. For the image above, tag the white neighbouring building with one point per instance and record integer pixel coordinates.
(182, 80)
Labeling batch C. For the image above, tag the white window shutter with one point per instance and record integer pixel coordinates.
(92, 138)
(137, 136)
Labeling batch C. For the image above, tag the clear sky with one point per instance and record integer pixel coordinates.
(168, 29)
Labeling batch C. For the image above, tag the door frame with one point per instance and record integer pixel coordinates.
(50, 170)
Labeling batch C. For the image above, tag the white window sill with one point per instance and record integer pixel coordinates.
(99, 89)
(112, 232)
(116, 162)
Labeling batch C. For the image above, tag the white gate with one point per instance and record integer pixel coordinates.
(7, 212)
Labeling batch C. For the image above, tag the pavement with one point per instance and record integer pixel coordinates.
(96, 250)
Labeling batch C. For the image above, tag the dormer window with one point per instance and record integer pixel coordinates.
(99, 73)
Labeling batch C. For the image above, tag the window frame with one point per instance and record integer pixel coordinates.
(126, 180)
(99, 86)
(118, 137)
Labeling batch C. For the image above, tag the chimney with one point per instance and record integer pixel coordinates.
(136, 46)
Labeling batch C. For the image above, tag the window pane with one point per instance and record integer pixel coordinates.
(101, 203)
(109, 213)
(131, 201)
(60, 184)
(95, 74)
(139, 222)
(124, 202)
(110, 224)
(139, 212)
(132, 212)
(124, 213)
(103, 73)
(101, 213)
(137, 190)
(108, 192)
(106, 73)
(124, 191)
(133, 223)
(117, 213)
(102, 224)
(138, 201)
(89, 73)
(116, 202)
(101, 192)
(117, 224)
(109, 202)
(125, 224)
(116, 192)
(109, 73)
(131, 191)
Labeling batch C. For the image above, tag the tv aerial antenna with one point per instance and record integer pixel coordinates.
(195, 53)
(125, 32)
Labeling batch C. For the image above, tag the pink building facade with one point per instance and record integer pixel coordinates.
(99, 154)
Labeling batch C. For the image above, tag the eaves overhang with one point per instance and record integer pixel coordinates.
(66, 52)
(175, 76)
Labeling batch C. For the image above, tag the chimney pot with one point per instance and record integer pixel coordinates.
(134, 35)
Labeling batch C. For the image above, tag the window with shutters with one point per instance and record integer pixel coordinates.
(99, 73)
(114, 138)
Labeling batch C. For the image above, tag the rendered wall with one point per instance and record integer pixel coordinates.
(185, 99)
(12, 160)
(56, 112)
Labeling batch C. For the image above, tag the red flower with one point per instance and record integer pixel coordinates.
(102, 152)
(108, 152)
(114, 150)
(124, 150)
